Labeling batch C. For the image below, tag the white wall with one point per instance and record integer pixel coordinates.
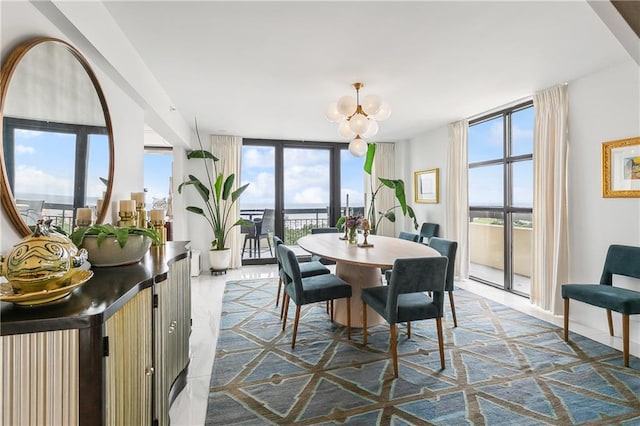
(603, 106)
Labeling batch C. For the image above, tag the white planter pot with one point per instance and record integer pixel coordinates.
(220, 259)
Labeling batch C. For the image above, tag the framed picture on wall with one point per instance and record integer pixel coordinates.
(426, 186)
(621, 168)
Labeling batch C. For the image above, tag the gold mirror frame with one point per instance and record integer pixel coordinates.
(6, 73)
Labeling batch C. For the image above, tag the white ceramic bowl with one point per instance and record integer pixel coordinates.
(111, 254)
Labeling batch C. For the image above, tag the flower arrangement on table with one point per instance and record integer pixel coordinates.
(352, 224)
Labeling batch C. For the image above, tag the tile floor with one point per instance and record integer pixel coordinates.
(189, 408)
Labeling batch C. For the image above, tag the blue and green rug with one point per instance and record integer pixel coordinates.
(502, 368)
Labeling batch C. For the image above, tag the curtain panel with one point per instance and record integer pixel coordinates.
(457, 208)
(228, 149)
(550, 239)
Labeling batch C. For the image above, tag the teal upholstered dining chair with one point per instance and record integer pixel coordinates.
(405, 299)
(620, 260)
(427, 231)
(447, 248)
(307, 269)
(303, 291)
(410, 236)
(330, 230)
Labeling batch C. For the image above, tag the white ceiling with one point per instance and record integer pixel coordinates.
(269, 69)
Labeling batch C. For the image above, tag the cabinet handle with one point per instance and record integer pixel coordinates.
(149, 371)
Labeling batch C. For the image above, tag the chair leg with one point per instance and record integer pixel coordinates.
(364, 323)
(409, 329)
(295, 327)
(394, 348)
(285, 309)
(331, 309)
(440, 342)
(453, 309)
(625, 339)
(566, 319)
(278, 296)
(348, 318)
(327, 307)
(269, 242)
(610, 320)
(282, 307)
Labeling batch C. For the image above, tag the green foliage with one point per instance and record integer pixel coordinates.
(397, 185)
(104, 230)
(217, 196)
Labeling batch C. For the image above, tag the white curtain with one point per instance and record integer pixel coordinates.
(384, 166)
(550, 242)
(228, 149)
(457, 207)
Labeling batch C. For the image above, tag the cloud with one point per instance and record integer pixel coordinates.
(257, 157)
(27, 134)
(32, 180)
(24, 149)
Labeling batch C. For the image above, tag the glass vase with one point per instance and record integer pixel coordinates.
(353, 236)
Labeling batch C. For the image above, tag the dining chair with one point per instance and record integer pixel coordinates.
(330, 230)
(620, 260)
(447, 248)
(303, 291)
(307, 269)
(405, 300)
(427, 231)
(410, 236)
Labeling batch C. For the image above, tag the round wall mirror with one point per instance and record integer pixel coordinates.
(57, 142)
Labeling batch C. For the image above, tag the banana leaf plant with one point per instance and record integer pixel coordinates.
(217, 196)
(397, 185)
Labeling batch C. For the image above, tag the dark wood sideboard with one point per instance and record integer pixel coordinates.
(115, 351)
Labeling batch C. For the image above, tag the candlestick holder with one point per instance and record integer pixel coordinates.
(83, 222)
(141, 215)
(345, 236)
(365, 243)
(158, 225)
(127, 218)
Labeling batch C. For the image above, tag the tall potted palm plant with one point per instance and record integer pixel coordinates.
(218, 197)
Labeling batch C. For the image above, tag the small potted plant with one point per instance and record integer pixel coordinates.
(110, 245)
(218, 197)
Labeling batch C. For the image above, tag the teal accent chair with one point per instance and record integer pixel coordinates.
(319, 288)
(621, 260)
(409, 236)
(427, 231)
(307, 269)
(405, 299)
(447, 248)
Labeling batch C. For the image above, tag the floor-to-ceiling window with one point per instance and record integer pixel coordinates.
(500, 155)
(293, 187)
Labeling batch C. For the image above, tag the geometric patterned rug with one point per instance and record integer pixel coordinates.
(503, 367)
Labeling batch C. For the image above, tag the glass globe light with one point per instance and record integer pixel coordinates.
(384, 113)
(371, 104)
(332, 113)
(358, 147)
(346, 105)
(359, 124)
(372, 130)
(344, 130)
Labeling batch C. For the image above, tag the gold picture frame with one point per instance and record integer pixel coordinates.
(426, 186)
(621, 168)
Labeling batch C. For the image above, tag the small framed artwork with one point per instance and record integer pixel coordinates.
(621, 168)
(426, 186)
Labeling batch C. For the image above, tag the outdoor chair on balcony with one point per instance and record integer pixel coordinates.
(405, 299)
(621, 260)
(427, 231)
(30, 210)
(303, 291)
(263, 227)
(307, 269)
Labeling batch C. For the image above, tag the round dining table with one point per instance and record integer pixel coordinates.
(361, 266)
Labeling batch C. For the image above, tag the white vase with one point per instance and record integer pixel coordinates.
(220, 259)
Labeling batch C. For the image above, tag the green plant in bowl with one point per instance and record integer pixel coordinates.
(121, 233)
(109, 245)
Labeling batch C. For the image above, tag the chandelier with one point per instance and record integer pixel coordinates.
(356, 121)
